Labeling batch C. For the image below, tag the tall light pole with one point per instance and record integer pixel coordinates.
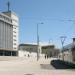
(38, 49)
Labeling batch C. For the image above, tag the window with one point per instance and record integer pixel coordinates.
(15, 40)
(14, 43)
(14, 31)
(14, 35)
(15, 48)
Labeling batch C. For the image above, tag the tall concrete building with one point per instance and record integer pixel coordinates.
(9, 26)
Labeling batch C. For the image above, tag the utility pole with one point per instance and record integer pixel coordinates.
(62, 42)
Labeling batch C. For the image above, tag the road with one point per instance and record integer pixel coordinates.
(30, 66)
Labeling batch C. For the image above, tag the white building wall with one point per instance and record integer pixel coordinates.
(26, 53)
(6, 39)
(9, 31)
(15, 23)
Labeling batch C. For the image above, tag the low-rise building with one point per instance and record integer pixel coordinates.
(27, 50)
(28, 47)
(32, 49)
(50, 50)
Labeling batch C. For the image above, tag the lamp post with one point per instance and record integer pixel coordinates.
(38, 49)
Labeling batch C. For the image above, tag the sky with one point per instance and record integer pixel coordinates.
(58, 17)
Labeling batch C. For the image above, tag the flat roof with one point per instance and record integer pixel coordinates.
(27, 45)
(69, 46)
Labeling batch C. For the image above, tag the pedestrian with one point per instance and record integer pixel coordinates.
(45, 56)
(28, 55)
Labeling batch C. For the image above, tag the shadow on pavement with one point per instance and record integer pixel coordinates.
(46, 66)
(57, 64)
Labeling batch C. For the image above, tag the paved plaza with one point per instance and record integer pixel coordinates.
(30, 66)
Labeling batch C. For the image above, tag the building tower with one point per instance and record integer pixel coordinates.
(9, 28)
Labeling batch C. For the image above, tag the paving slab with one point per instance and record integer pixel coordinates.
(30, 66)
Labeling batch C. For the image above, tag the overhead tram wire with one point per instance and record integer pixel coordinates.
(71, 26)
(64, 20)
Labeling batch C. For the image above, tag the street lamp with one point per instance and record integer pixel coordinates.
(38, 49)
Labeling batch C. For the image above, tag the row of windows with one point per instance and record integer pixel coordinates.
(8, 53)
(14, 31)
(14, 35)
(15, 20)
(14, 27)
(14, 43)
(5, 18)
(15, 40)
(15, 48)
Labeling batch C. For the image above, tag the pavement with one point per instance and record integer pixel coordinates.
(30, 66)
